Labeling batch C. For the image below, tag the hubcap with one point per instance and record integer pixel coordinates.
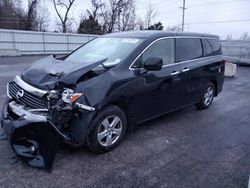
(109, 130)
(208, 96)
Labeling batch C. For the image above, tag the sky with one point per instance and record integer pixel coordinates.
(169, 13)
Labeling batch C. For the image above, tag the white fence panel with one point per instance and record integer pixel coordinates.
(31, 43)
(237, 50)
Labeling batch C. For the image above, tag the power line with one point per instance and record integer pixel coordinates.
(223, 21)
(215, 4)
(166, 5)
(211, 1)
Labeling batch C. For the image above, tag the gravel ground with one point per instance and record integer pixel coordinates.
(187, 148)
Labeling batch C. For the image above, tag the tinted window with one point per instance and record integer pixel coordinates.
(188, 48)
(215, 45)
(163, 49)
(208, 48)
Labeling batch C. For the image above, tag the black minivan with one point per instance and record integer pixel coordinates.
(93, 95)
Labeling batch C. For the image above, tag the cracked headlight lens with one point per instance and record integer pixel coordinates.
(68, 96)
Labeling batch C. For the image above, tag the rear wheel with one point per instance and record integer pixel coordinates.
(208, 96)
(107, 129)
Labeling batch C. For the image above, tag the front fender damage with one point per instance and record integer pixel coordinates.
(35, 137)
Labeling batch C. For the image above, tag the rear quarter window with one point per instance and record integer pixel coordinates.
(188, 49)
(207, 47)
(215, 45)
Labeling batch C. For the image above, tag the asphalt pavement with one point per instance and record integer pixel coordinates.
(187, 148)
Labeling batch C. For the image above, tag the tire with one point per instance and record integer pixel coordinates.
(102, 136)
(207, 96)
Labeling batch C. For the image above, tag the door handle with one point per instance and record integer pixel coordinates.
(185, 69)
(175, 73)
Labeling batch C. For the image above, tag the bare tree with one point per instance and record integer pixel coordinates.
(31, 15)
(8, 18)
(140, 24)
(111, 12)
(42, 20)
(89, 23)
(244, 36)
(127, 17)
(64, 17)
(96, 6)
(13, 16)
(27, 19)
(150, 15)
(148, 19)
(174, 28)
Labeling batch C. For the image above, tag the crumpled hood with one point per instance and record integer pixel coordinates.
(47, 72)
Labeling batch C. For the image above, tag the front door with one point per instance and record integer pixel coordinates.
(157, 91)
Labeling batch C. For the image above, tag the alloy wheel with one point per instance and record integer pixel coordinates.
(109, 130)
(208, 96)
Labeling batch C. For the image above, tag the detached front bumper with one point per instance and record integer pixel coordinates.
(31, 136)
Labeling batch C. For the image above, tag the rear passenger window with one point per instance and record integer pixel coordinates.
(163, 49)
(188, 48)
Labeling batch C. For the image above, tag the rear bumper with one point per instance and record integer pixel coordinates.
(31, 136)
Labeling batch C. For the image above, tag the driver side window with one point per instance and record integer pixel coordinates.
(164, 49)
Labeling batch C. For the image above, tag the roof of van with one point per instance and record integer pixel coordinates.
(155, 33)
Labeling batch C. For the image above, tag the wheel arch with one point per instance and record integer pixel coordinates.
(215, 83)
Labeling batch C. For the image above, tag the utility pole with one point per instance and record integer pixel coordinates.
(183, 15)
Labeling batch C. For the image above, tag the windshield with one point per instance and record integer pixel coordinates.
(112, 50)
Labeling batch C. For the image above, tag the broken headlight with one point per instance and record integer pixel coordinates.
(53, 94)
(69, 96)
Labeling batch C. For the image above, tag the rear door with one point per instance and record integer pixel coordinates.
(189, 57)
(158, 91)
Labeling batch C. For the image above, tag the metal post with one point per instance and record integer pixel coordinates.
(44, 48)
(14, 39)
(183, 14)
(67, 42)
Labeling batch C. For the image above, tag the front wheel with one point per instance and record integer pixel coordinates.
(107, 129)
(208, 96)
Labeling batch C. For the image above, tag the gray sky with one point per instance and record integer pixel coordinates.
(169, 13)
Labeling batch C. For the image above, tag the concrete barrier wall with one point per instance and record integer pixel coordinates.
(13, 42)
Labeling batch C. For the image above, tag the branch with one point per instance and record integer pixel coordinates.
(60, 3)
(68, 9)
(55, 6)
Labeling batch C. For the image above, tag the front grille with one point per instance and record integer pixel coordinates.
(24, 97)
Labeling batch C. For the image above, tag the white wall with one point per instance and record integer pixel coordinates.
(30, 42)
(237, 50)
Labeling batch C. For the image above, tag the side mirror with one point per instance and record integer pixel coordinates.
(153, 64)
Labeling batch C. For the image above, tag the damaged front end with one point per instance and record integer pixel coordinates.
(36, 121)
